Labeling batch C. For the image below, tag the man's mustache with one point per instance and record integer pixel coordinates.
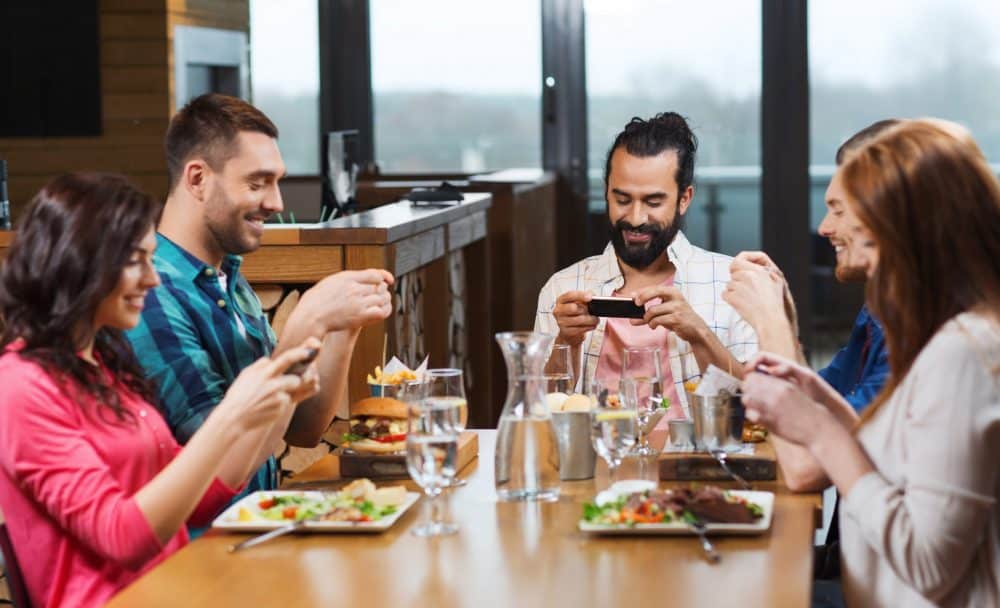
(650, 229)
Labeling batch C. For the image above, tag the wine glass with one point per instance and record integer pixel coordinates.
(613, 421)
(642, 366)
(445, 388)
(431, 458)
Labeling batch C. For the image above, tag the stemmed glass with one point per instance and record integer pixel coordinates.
(445, 388)
(642, 367)
(613, 421)
(431, 455)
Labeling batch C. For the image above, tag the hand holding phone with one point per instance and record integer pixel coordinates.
(300, 367)
(622, 308)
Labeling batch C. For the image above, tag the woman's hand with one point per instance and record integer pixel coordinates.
(801, 376)
(784, 408)
(263, 392)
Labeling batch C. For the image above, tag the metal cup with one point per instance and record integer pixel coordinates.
(681, 435)
(718, 421)
(577, 457)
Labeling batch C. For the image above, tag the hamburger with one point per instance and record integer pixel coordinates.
(378, 426)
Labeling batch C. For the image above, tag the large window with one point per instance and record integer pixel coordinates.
(284, 68)
(456, 84)
(701, 60)
(902, 59)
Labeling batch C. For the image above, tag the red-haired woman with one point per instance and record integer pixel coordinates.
(919, 473)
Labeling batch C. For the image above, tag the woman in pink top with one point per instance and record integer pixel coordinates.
(93, 487)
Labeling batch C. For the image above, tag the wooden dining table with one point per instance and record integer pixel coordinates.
(505, 554)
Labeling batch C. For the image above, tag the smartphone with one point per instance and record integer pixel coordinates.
(623, 308)
(300, 368)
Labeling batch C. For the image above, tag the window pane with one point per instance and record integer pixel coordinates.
(701, 60)
(459, 92)
(284, 68)
(903, 59)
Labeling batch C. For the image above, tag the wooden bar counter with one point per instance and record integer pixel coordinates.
(521, 555)
(441, 302)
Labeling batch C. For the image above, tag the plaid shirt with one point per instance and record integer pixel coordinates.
(701, 277)
(188, 340)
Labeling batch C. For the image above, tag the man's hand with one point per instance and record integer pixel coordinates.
(672, 312)
(572, 316)
(350, 299)
(755, 292)
(751, 296)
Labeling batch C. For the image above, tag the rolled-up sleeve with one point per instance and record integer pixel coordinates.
(216, 498)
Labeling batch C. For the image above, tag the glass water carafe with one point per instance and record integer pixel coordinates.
(527, 455)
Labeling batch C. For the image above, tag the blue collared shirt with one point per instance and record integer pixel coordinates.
(189, 342)
(858, 372)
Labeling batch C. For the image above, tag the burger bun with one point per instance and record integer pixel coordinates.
(380, 407)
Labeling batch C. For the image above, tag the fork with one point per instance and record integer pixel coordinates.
(283, 530)
(720, 457)
(711, 554)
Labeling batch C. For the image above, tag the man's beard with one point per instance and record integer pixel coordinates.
(641, 256)
(850, 274)
(227, 227)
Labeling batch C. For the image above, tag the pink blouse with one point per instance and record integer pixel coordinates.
(68, 474)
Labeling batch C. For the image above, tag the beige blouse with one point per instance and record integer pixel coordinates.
(924, 529)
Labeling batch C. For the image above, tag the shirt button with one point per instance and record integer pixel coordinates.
(221, 303)
(162, 446)
(142, 413)
(209, 272)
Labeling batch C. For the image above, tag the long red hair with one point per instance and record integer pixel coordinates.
(933, 206)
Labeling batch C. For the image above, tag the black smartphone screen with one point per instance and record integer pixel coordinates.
(623, 308)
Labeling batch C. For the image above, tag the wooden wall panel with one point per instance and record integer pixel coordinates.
(137, 97)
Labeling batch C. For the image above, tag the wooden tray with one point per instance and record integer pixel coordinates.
(691, 466)
(393, 466)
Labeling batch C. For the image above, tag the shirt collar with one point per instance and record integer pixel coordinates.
(679, 252)
(182, 263)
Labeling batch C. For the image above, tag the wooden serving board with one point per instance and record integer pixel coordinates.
(393, 466)
(692, 466)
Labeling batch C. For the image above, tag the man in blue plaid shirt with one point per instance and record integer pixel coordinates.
(204, 323)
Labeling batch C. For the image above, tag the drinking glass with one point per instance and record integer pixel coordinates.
(445, 388)
(431, 455)
(559, 370)
(613, 421)
(642, 367)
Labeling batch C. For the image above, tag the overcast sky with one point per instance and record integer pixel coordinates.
(494, 46)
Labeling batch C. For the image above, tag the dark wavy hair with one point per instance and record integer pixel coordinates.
(72, 244)
(663, 132)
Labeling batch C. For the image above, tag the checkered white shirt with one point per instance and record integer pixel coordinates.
(701, 277)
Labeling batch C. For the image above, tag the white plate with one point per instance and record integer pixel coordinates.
(764, 499)
(230, 521)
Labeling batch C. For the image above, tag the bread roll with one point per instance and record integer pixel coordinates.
(577, 403)
(388, 496)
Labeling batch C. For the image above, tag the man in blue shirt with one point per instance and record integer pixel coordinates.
(760, 294)
(204, 323)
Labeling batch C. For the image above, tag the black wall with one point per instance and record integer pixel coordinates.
(49, 68)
